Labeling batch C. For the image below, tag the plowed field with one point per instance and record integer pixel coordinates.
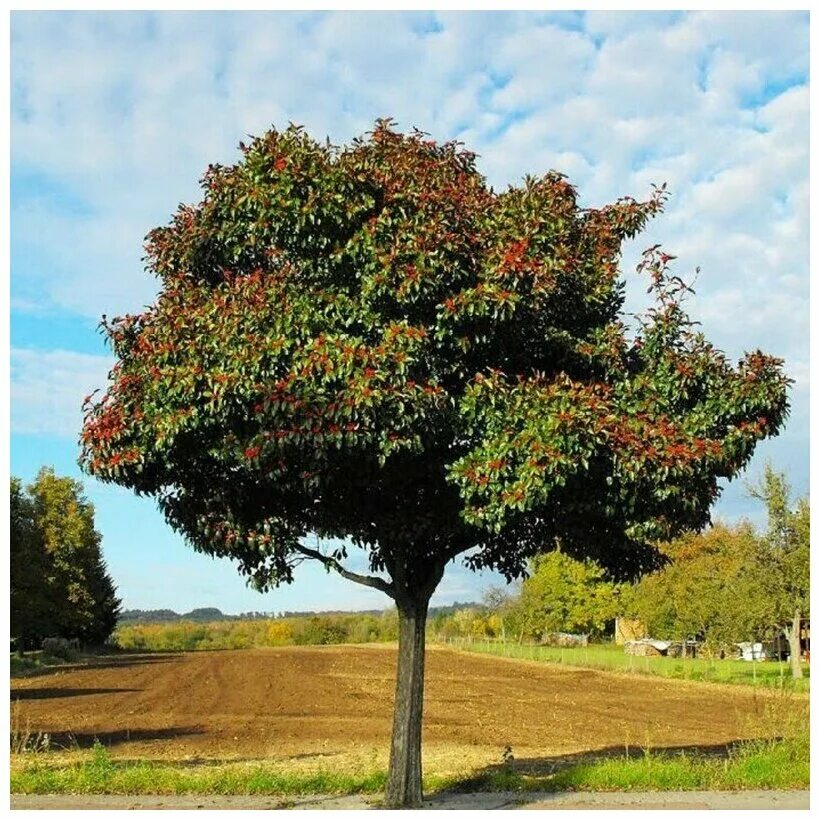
(325, 705)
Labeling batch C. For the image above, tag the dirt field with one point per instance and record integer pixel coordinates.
(320, 706)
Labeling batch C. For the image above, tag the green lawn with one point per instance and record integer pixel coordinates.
(613, 658)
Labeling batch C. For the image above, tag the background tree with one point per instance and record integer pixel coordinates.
(105, 605)
(562, 594)
(709, 591)
(369, 344)
(784, 559)
(60, 585)
(31, 610)
(734, 583)
(498, 602)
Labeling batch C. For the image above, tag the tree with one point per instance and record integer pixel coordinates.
(710, 590)
(31, 613)
(733, 583)
(369, 344)
(784, 559)
(498, 601)
(105, 605)
(562, 594)
(60, 585)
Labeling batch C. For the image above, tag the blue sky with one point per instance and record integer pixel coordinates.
(114, 117)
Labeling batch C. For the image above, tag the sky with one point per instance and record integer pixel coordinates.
(115, 115)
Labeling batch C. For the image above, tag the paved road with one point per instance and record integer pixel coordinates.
(485, 800)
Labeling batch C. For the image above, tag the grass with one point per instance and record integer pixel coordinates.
(33, 662)
(772, 764)
(98, 773)
(613, 658)
(757, 765)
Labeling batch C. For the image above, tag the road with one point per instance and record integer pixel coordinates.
(485, 800)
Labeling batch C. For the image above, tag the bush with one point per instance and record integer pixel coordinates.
(66, 650)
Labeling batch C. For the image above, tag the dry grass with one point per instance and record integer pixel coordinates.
(23, 739)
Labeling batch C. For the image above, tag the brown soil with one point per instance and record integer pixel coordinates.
(315, 706)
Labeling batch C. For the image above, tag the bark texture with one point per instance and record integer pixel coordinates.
(404, 775)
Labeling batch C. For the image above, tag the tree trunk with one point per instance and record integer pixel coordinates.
(793, 636)
(404, 775)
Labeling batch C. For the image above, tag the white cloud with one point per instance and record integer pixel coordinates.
(47, 389)
(775, 43)
(90, 265)
(126, 110)
(618, 24)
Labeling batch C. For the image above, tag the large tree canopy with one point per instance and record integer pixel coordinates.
(368, 343)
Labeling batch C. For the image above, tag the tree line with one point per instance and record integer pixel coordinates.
(199, 615)
(183, 633)
(60, 586)
(722, 586)
(313, 630)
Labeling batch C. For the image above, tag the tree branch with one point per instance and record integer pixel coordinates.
(365, 580)
(454, 552)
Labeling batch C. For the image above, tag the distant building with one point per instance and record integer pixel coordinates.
(646, 647)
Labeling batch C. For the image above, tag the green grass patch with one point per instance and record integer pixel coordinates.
(781, 764)
(33, 662)
(774, 767)
(613, 658)
(775, 764)
(98, 773)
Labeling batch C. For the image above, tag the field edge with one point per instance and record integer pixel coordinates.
(773, 765)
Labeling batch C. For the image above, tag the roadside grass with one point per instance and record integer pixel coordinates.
(609, 657)
(98, 773)
(769, 764)
(775, 765)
